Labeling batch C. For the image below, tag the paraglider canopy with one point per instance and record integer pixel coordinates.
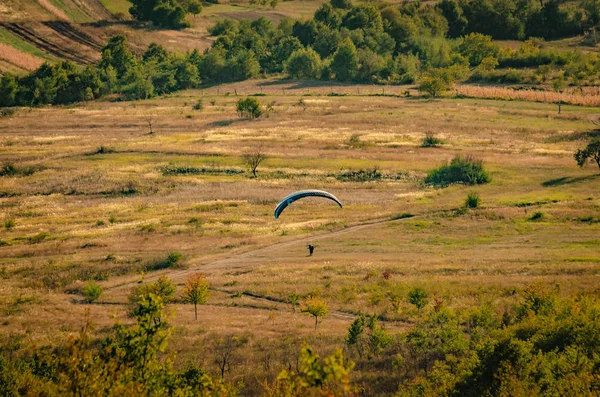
(286, 201)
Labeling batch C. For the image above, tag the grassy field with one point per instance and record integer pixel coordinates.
(99, 198)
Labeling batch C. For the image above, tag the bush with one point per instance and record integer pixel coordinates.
(436, 81)
(537, 216)
(91, 292)
(249, 108)
(418, 297)
(472, 200)
(431, 140)
(465, 170)
(9, 223)
(360, 175)
(199, 105)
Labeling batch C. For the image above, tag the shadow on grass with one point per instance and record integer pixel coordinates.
(225, 123)
(567, 180)
(574, 136)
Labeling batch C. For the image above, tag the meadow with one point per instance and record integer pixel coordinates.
(95, 197)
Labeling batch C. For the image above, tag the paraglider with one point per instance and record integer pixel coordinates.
(288, 200)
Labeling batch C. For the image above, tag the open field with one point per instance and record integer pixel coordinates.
(112, 215)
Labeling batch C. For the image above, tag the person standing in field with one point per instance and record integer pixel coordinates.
(311, 248)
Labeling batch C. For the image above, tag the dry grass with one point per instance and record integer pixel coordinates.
(19, 58)
(588, 96)
(57, 12)
(107, 216)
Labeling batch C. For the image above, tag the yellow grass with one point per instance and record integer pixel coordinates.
(19, 58)
(588, 96)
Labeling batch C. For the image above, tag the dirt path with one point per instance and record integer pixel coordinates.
(250, 258)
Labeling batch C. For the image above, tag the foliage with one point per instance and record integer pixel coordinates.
(431, 140)
(91, 291)
(164, 13)
(436, 81)
(465, 170)
(472, 200)
(314, 377)
(367, 337)
(418, 297)
(303, 63)
(403, 43)
(249, 108)
(591, 153)
(196, 291)
(316, 307)
(163, 288)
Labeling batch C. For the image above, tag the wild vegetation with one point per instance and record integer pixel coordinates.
(433, 45)
(139, 254)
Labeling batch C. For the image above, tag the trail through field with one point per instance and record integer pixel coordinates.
(253, 257)
(247, 259)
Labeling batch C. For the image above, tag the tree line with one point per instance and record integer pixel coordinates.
(383, 44)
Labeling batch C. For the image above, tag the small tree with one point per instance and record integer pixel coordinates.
(435, 81)
(418, 297)
(316, 307)
(91, 292)
(591, 153)
(249, 108)
(196, 291)
(253, 158)
(294, 300)
(558, 85)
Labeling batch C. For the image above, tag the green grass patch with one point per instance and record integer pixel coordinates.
(8, 38)
(170, 170)
(74, 13)
(119, 8)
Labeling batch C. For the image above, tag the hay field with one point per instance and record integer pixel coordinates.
(95, 200)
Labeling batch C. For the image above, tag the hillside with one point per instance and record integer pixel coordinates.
(76, 30)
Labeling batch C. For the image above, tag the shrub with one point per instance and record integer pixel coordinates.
(360, 175)
(91, 291)
(249, 108)
(465, 170)
(418, 297)
(199, 105)
(436, 81)
(537, 216)
(472, 200)
(9, 223)
(431, 140)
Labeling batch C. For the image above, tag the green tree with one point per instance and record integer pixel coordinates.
(316, 307)
(249, 108)
(476, 47)
(591, 153)
(418, 297)
(196, 291)
(304, 63)
(117, 55)
(328, 16)
(9, 87)
(345, 61)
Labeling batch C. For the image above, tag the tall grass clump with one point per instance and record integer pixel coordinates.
(467, 170)
(431, 140)
(473, 200)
